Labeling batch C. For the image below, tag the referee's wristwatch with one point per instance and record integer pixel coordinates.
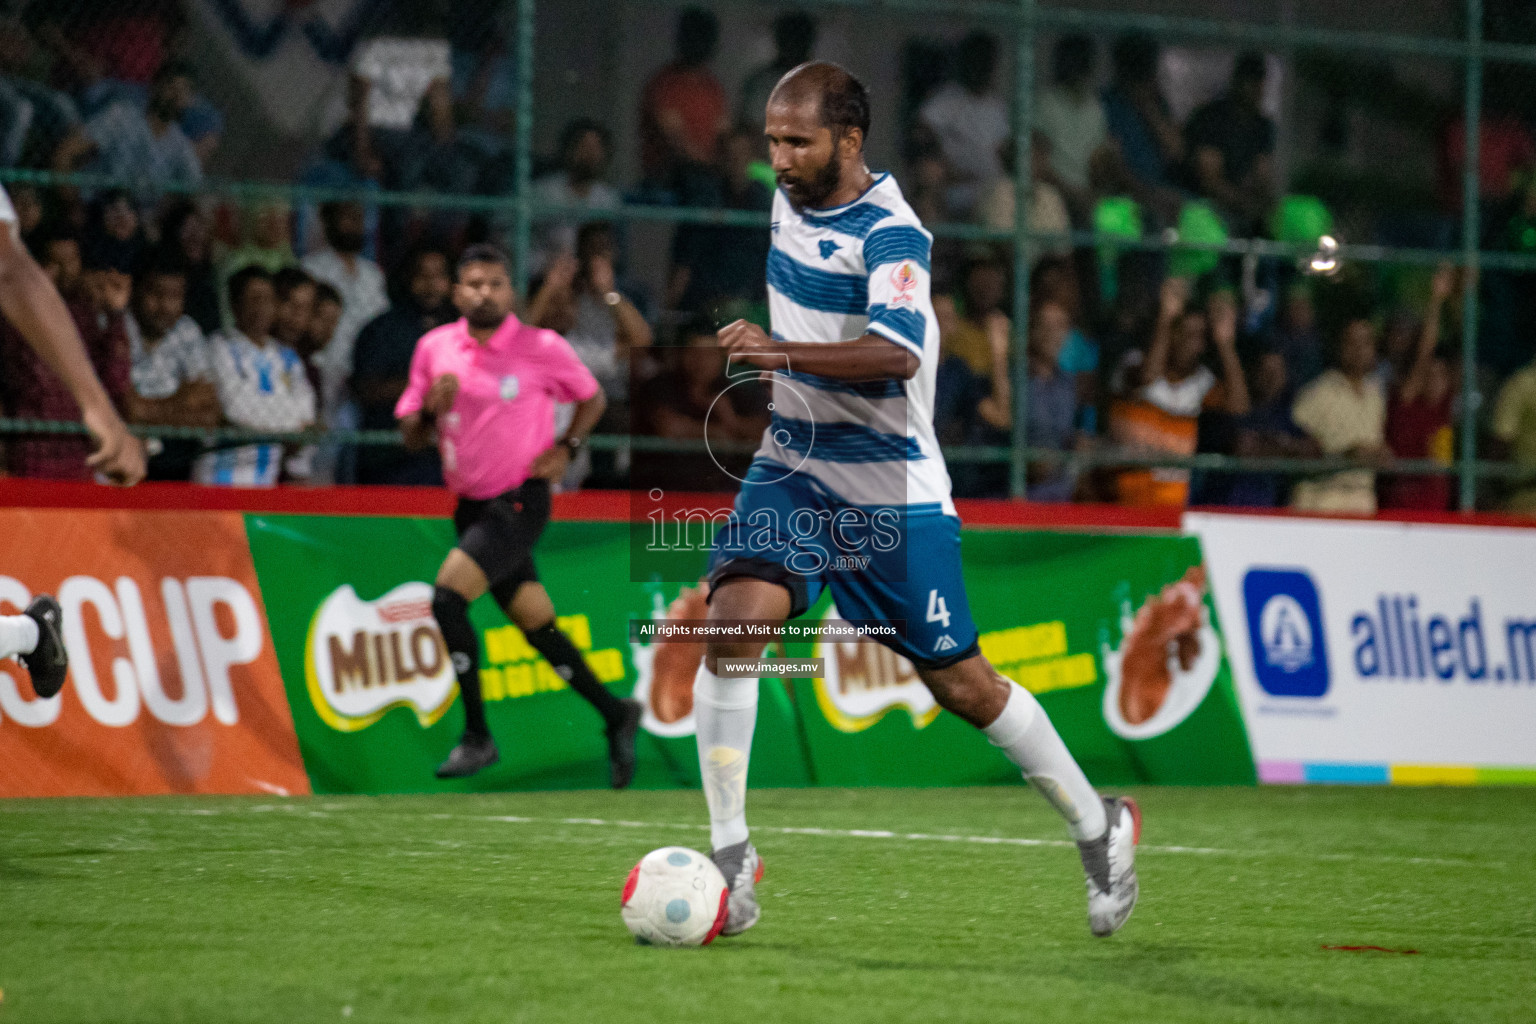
(573, 445)
(612, 298)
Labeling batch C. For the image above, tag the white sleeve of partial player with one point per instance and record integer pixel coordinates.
(7, 211)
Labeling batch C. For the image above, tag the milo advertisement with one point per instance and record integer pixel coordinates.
(1116, 635)
(375, 701)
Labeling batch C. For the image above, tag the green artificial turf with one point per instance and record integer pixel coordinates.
(430, 909)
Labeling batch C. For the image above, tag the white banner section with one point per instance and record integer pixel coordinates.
(1378, 645)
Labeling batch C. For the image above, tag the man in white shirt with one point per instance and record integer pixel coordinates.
(1345, 411)
(171, 375)
(148, 145)
(262, 386)
(585, 150)
(361, 285)
(1071, 117)
(970, 121)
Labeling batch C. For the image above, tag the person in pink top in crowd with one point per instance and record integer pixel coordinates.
(484, 388)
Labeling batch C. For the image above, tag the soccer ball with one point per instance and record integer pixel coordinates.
(675, 897)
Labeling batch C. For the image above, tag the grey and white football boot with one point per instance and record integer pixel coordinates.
(743, 869)
(1110, 863)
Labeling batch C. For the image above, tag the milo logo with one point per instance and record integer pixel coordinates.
(364, 657)
(864, 680)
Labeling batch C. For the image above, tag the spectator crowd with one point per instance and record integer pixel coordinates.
(282, 318)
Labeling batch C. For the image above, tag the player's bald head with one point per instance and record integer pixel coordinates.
(840, 99)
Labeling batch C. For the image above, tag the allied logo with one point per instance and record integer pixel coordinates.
(363, 658)
(1285, 632)
(904, 280)
(508, 387)
(827, 247)
(945, 643)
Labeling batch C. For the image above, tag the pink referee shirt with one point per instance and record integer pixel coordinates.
(504, 414)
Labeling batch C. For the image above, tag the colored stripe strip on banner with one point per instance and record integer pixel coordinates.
(1297, 773)
(1434, 775)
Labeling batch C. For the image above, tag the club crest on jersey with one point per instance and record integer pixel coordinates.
(904, 280)
(827, 247)
(508, 387)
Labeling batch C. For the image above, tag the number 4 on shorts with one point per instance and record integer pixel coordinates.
(938, 611)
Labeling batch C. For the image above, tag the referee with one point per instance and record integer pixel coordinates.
(486, 387)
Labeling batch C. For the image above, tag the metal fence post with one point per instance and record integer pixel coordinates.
(522, 171)
(1023, 182)
(1471, 243)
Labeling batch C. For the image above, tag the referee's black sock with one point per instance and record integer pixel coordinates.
(572, 667)
(452, 614)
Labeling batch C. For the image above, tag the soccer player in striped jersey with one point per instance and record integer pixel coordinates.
(849, 490)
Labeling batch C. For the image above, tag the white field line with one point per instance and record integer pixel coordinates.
(300, 806)
(930, 837)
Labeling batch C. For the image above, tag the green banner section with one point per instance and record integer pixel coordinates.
(374, 697)
(1115, 634)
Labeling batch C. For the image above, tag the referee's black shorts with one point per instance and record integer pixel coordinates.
(499, 534)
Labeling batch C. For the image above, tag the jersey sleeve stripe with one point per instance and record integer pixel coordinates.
(896, 339)
(896, 243)
(907, 326)
(815, 289)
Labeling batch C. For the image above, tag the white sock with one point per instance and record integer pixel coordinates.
(1025, 733)
(18, 635)
(724, 714)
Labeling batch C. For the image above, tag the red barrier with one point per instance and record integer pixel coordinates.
(433, 502)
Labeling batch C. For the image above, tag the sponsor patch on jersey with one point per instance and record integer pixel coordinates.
(904, 280)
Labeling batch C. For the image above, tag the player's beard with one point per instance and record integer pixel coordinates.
(814, 191)
(485, 317)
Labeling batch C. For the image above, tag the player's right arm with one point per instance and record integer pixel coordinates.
(899, 307)
(871, 357)
(427, 396)
(32, 304)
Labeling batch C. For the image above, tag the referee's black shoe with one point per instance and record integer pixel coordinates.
(472, 754)
(621, 744)
(48, 663)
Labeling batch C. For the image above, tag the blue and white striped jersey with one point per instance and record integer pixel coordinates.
(835, 275)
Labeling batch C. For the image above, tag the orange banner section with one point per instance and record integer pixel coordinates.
(173, 683)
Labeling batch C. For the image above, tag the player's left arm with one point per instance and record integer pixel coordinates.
(899, 306)
(569, 381)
